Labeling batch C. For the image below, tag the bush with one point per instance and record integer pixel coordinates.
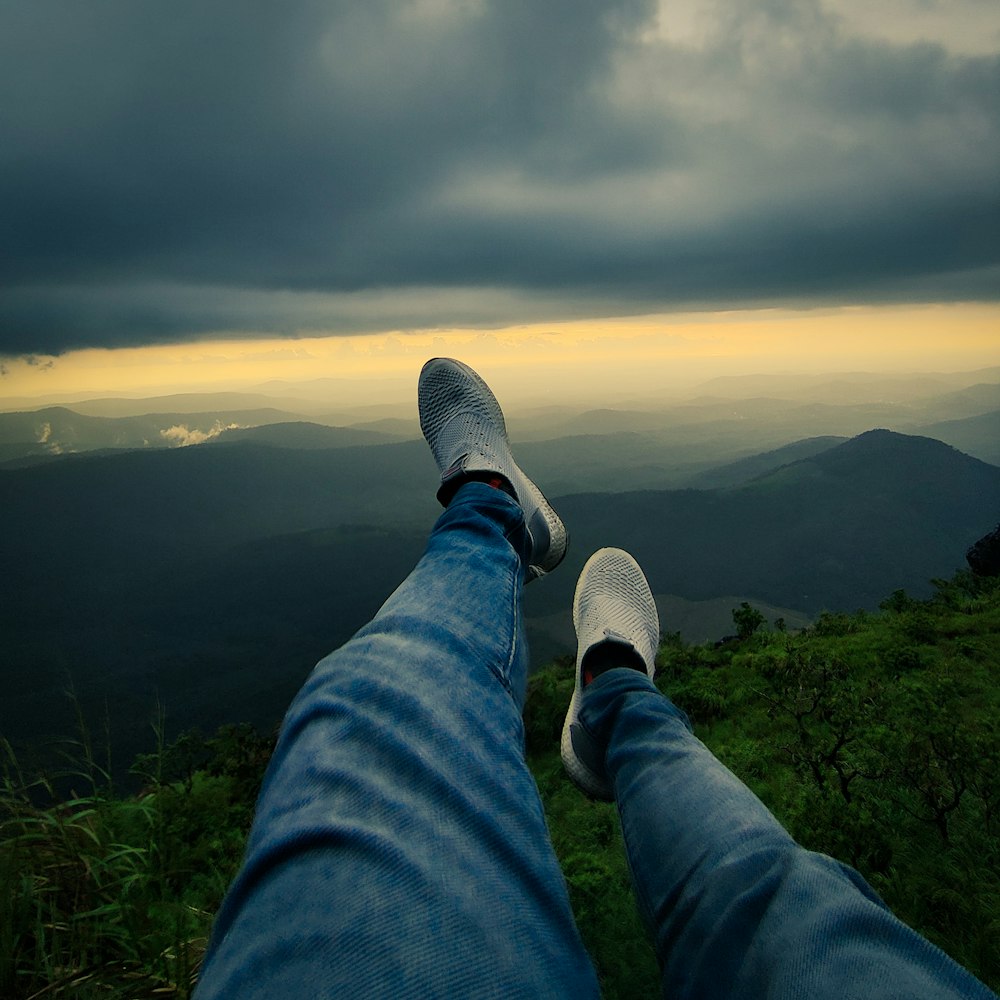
(747, 620)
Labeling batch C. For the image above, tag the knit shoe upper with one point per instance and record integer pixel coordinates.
(464, 426)
(613, 603)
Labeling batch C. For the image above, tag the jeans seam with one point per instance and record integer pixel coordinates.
(512, 644)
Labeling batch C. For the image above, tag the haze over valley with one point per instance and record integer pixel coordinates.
(202, 551)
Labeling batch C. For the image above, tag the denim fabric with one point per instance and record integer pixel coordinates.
(399, 847)
(735, 907)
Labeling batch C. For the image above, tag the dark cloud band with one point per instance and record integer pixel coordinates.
(183, 169)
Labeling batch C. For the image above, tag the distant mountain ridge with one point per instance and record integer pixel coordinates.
(57, 430)
(746, 469)
(837, 530)
(836, 387)
(303, 434)
(216, 575)
(636, 443)
(978, 436)
(871, 464)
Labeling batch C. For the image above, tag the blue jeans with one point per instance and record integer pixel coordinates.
(400, 849)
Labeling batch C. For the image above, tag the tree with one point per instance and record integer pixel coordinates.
(832, 712)
(747, 620)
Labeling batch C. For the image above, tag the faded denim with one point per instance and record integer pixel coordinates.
(399, 847)
(734, 906)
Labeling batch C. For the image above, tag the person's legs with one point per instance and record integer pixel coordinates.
(399, 847)
(735, 907)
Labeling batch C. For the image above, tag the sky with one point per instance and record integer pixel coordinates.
(767, 182)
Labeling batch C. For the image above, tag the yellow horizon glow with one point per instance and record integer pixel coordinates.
(543, 357)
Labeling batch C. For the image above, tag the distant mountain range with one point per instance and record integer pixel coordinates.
(745, 469)
(978, 435)
(849, 387)
(838, 530)
(213, 577)
(301, 434)
(57, 430)
(663, 445)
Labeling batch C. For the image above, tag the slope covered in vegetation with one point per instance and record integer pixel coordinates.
(872, 737)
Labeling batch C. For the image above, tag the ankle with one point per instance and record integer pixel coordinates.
(495, 480)
(448, 490)
(610, 655)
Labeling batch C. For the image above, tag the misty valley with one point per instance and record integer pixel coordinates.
(198, 554)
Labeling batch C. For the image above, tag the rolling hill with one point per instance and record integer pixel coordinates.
(835, 531)
(213, 577)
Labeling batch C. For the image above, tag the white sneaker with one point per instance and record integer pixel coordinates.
(464, 426)
(613, 603)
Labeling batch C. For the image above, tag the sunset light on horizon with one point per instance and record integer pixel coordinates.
(543, 360)
(588, 196)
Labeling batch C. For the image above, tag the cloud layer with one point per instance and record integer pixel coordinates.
(170, 170)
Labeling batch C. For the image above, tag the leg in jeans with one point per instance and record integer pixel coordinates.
(736, 908)
(399, 847)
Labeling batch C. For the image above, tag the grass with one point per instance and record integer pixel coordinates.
(98, 894)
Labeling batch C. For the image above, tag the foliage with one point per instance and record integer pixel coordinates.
(747, 620)
(872, 737)
(102, 896)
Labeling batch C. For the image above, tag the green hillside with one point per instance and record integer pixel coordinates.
(175, 575)
(872, 736)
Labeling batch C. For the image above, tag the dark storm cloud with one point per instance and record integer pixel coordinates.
(169, 170)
